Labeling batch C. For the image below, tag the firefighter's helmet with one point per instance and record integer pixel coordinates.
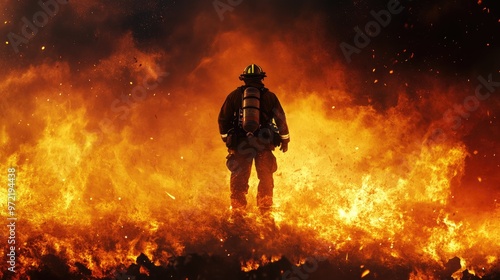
(253, 71)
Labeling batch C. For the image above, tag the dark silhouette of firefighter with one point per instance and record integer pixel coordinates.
(252, 123)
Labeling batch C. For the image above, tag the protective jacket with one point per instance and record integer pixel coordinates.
(270, 109)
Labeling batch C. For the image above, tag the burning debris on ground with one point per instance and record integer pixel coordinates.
(209, 267)
(237, 258)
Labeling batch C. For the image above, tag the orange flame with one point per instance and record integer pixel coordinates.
(356, 181)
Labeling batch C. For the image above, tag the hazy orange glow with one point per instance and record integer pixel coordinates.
(356, 181)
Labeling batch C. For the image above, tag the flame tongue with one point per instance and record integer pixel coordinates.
(108, 170)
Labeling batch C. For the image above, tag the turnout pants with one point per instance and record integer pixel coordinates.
(239, 162)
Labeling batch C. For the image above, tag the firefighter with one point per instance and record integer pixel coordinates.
(252, 123)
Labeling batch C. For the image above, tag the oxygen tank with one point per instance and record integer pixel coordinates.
(251, 110)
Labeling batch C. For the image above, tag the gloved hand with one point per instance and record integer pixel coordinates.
(284, 145)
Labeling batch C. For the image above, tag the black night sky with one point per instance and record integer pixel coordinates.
(448, 38)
